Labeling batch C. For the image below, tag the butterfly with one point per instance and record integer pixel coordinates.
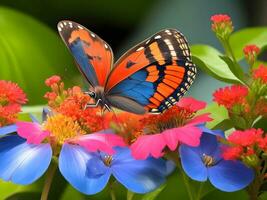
(150, 77)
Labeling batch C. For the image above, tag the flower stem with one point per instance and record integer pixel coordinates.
(199, 193)
(174, 157)
(111, 189)
(48, 180)
(130, 195)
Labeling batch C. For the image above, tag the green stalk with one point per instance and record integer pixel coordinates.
(174, 157)
(48, 180)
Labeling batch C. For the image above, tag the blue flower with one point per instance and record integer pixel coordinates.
(205, 162)
(8, 129)
(25, 157)
(95, 170)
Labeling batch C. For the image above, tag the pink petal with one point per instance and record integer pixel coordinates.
(189, 135)
(32, 132)
(191, 103)
(99, 142)
(148, 145)
(200, 119)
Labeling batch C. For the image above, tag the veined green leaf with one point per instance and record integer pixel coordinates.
(208, 59)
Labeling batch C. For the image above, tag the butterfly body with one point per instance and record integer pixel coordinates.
(150, 77)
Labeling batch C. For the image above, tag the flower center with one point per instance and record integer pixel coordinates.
(107, 160)
(172, 118)
(208, 160)
(62, 128)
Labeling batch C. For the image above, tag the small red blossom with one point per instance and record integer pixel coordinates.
(243, 144)
(229, 96)
(261, 73)
(52, 80)
(251, 52)
(11, 99)
(220, 18)
(222, 25)
(11, 93)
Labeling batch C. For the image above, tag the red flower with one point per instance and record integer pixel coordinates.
(176, 125)
(251, 52)
(11, 93)
(11, 99)
(244, 143)
(222, 25)
(220, 18)
(251, 49)
(52, 80)
(261, 73)
(229, 96)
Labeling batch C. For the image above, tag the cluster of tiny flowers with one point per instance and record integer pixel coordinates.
(251, 52)
(71, 102)
(222, 25)
(246, 145)
(11, 99)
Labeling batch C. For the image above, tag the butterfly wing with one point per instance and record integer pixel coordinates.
(153, 75)
(92, 54)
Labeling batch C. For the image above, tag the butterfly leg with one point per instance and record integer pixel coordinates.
(92, 105)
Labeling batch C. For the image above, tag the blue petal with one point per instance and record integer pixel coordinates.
(74, 164)
(192, 163)
(23, 163)
(139, 176)
(208, 144)
(213, 132)
(8, 129)
(230, 175)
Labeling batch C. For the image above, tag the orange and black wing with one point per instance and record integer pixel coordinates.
(153, 75)
(92, 54)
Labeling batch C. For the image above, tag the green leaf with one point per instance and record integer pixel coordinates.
(218, 114)
(154, 194)
(234, 67)
(239, 39)
(208, 59)
(30, 52)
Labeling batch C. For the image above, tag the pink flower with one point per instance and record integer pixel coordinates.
(176, 125)
(59, 130)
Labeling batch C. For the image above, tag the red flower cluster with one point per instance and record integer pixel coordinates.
(11, 99)
(52, 80)
(72, 102)
(261, 73)
(221, 25)
(230, 96)
(251, 52)
(245, 143)
(220, 18)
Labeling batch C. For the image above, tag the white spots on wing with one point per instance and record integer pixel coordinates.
(65, 24)
(147, 41)
(59, 28)
(168, 32)
(70, 24)
(106, 46)
(93, 35)
(61, 25)
(170, 46)
(157, 37)
(80, 27)
(140, 48)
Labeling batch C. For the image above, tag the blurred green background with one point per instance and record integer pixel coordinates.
(31, 51)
